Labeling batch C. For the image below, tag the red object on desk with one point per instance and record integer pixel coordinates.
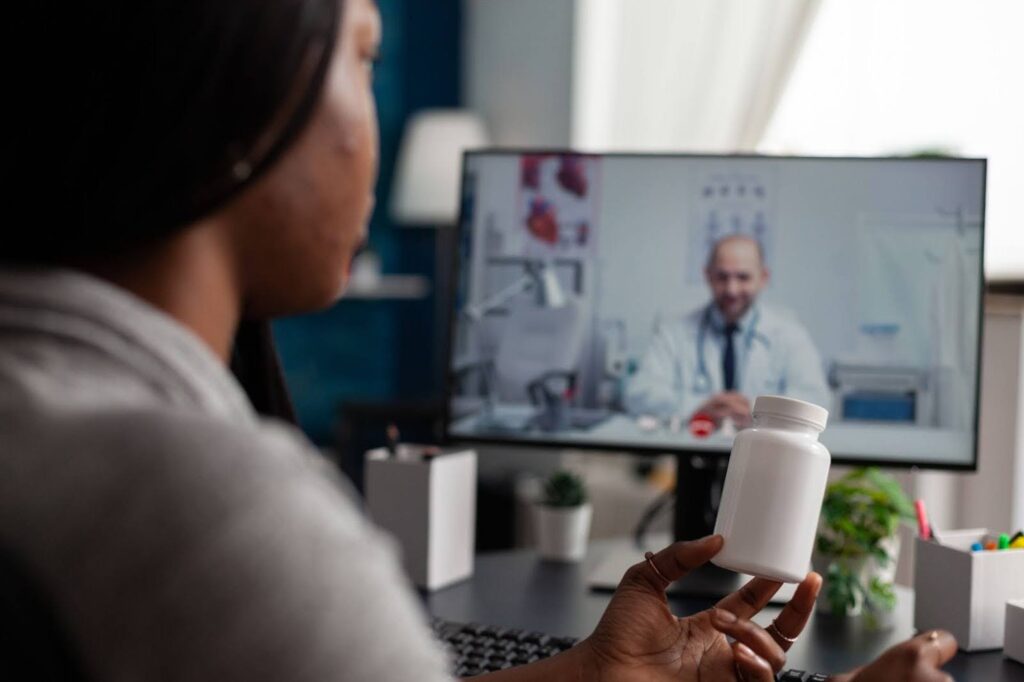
(702, 425)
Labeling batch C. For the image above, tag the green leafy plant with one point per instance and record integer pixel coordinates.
(564, 489)
(861, 511)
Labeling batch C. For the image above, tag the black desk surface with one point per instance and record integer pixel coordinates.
(515, 589)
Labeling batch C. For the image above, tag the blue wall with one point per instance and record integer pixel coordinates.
(376, 350)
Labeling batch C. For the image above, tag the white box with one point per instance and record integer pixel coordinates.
(428, 503)
(966, 592)
(1013, 647)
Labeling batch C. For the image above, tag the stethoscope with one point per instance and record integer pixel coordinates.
(702, 380)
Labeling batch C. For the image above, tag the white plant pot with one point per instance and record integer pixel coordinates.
(562, 532)
(866, 568)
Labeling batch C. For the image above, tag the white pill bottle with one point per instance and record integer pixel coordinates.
(773, 490)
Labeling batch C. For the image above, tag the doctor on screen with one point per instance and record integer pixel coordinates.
(717, 358)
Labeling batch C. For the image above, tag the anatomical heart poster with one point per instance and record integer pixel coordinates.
(558, 200)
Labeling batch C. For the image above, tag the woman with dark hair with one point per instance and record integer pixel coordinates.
(195, 167)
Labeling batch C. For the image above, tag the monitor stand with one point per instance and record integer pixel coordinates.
(699, 480)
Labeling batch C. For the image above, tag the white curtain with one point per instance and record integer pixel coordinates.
(694, 75)
(884, 77)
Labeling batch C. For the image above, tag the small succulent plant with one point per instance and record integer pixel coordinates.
(564, 489)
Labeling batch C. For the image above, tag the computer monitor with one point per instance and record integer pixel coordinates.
(640, 302)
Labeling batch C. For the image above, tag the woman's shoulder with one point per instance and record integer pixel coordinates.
(152, 460)
(180, 528)
(151, 437)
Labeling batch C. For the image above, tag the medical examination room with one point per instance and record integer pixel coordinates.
(513, 340)
(598, 289)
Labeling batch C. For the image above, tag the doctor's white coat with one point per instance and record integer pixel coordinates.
(682, 367)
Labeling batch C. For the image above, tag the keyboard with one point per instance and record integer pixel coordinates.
(475, 649)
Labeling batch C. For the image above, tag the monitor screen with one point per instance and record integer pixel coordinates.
(642, 302)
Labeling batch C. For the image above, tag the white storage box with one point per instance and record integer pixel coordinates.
(428, 503)
(1013, 645)
(966, 592)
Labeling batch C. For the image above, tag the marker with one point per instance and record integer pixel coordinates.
(990, 546)
(924, 531)
(976, 547)
(1004, 541)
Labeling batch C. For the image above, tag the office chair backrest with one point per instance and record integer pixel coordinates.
(535, 341)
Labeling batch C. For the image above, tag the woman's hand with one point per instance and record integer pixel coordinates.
(638, 638)
(915, 660)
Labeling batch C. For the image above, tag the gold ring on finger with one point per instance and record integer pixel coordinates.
(773, 630)
(649, 558)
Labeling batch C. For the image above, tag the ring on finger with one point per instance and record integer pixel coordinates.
(773, 630)
(649, 558)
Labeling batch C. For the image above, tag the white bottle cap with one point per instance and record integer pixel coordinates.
(791, 408)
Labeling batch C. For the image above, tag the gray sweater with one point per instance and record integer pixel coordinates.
(180, 536)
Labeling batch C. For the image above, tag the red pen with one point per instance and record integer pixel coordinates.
(923, 529)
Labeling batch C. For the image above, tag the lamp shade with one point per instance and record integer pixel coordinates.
(429, 165)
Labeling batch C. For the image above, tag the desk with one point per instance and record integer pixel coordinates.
(871, 440)
(514, 589)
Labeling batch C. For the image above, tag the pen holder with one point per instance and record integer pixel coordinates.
(966, 592)
(428, 503)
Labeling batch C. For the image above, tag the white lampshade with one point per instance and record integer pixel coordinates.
(428, 173)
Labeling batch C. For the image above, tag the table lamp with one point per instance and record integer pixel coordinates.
(426, 193)
(429, 165)
(538, 276)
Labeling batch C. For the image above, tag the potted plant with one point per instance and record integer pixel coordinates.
(857, 544)
(563, 518)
